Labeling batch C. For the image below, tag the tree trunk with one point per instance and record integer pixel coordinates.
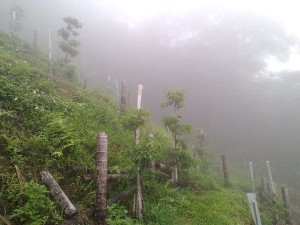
(101, 169)
(58, 194)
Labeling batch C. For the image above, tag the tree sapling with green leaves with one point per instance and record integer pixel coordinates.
(175, 99)
(69, 44)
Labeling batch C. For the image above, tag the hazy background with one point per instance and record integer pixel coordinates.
(237, 64)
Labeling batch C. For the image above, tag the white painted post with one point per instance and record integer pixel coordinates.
(117, 87)
(252, 176)
(14, 22)
(270, 178)
(139, 196)
(254, 208)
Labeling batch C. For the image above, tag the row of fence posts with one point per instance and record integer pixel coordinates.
(100, 213)
(267, 190)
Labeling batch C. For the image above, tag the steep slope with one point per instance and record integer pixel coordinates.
(47, 123)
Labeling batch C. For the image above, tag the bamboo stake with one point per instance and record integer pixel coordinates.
(101, 169)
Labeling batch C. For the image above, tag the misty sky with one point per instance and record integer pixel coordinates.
(238, 63)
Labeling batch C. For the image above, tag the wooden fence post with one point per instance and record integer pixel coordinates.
(60, 197)
(286, 204)
(225, 171)
(252, 176)
(271, 178)
(101, 169)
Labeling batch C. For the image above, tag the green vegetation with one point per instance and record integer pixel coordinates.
(51, 124)
(69, 44)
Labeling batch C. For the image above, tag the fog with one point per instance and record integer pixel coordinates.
(218, 56)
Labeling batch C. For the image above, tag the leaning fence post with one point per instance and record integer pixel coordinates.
(225, 171)
(60, 197)
(286, 204)
(101, 170)
(271, 178)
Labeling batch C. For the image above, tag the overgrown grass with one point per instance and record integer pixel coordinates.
(48, 123)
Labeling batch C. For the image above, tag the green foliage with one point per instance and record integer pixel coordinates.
(162, 212)
(36, 207)
(69, 44)
(52, 124)
(174, 98)
(118, 215)
(134, 118)
(173, 124)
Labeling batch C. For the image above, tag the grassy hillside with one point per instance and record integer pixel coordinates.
(48, 123)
